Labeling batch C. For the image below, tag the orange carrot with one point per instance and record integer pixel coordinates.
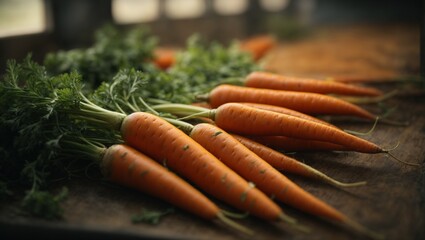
(164, 57)
(258, 79)
(245, 120)
(263, 175)
(125, 165)
(258, 46)
(290, 144)
(285, 163)
(287, 111)
(164, 142)
(308, 103)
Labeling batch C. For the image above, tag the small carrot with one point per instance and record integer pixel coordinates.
(260, 79)
(263, 175)
(308, 103)
(164, 142)
(290, 144)
(258, 46)
(164, 57)
(285, 163)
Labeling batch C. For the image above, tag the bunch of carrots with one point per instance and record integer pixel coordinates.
(179, 152)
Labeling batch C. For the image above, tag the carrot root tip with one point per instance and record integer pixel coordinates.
(354, 184)
(365, 133)
(294, 223)
(287, 219)
(235, 215)
(399, 160)
(221, 216)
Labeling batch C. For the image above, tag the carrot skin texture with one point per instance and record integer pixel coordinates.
(276, 159)
(307, 103)
(250, 166)
(164, 142)
(268, 80)
(287, 111)
(245, 120)
(289, 144)
(127, 166)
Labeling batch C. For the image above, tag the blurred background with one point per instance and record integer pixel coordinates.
(40, 26)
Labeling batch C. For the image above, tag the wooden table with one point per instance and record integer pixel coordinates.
(392, 203)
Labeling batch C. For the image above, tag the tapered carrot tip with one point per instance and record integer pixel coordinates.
(234, 224)
(294, 223)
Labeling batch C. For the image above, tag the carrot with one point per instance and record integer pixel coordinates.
(285, 163)
(308, 103)
(164, 142)
(290, 144)
(263, 175)
(258, 46)
(128, 167)
(287, 111)
(260, 79)
(246, 120)
(124, 165)
(164, 57)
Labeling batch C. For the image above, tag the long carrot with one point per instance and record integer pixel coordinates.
(259, 79)
(264, 176)
(128, 167)
(245, 120)
(285, 163)
(308, 103)
(164, 142)
(124, 165)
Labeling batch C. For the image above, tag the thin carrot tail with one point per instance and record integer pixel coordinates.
(333, 181)
(294, 223)
(399, 160)
(235, 215)
(221, 216)
(365, 133)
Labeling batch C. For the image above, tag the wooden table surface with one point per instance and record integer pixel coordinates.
(392, 203)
